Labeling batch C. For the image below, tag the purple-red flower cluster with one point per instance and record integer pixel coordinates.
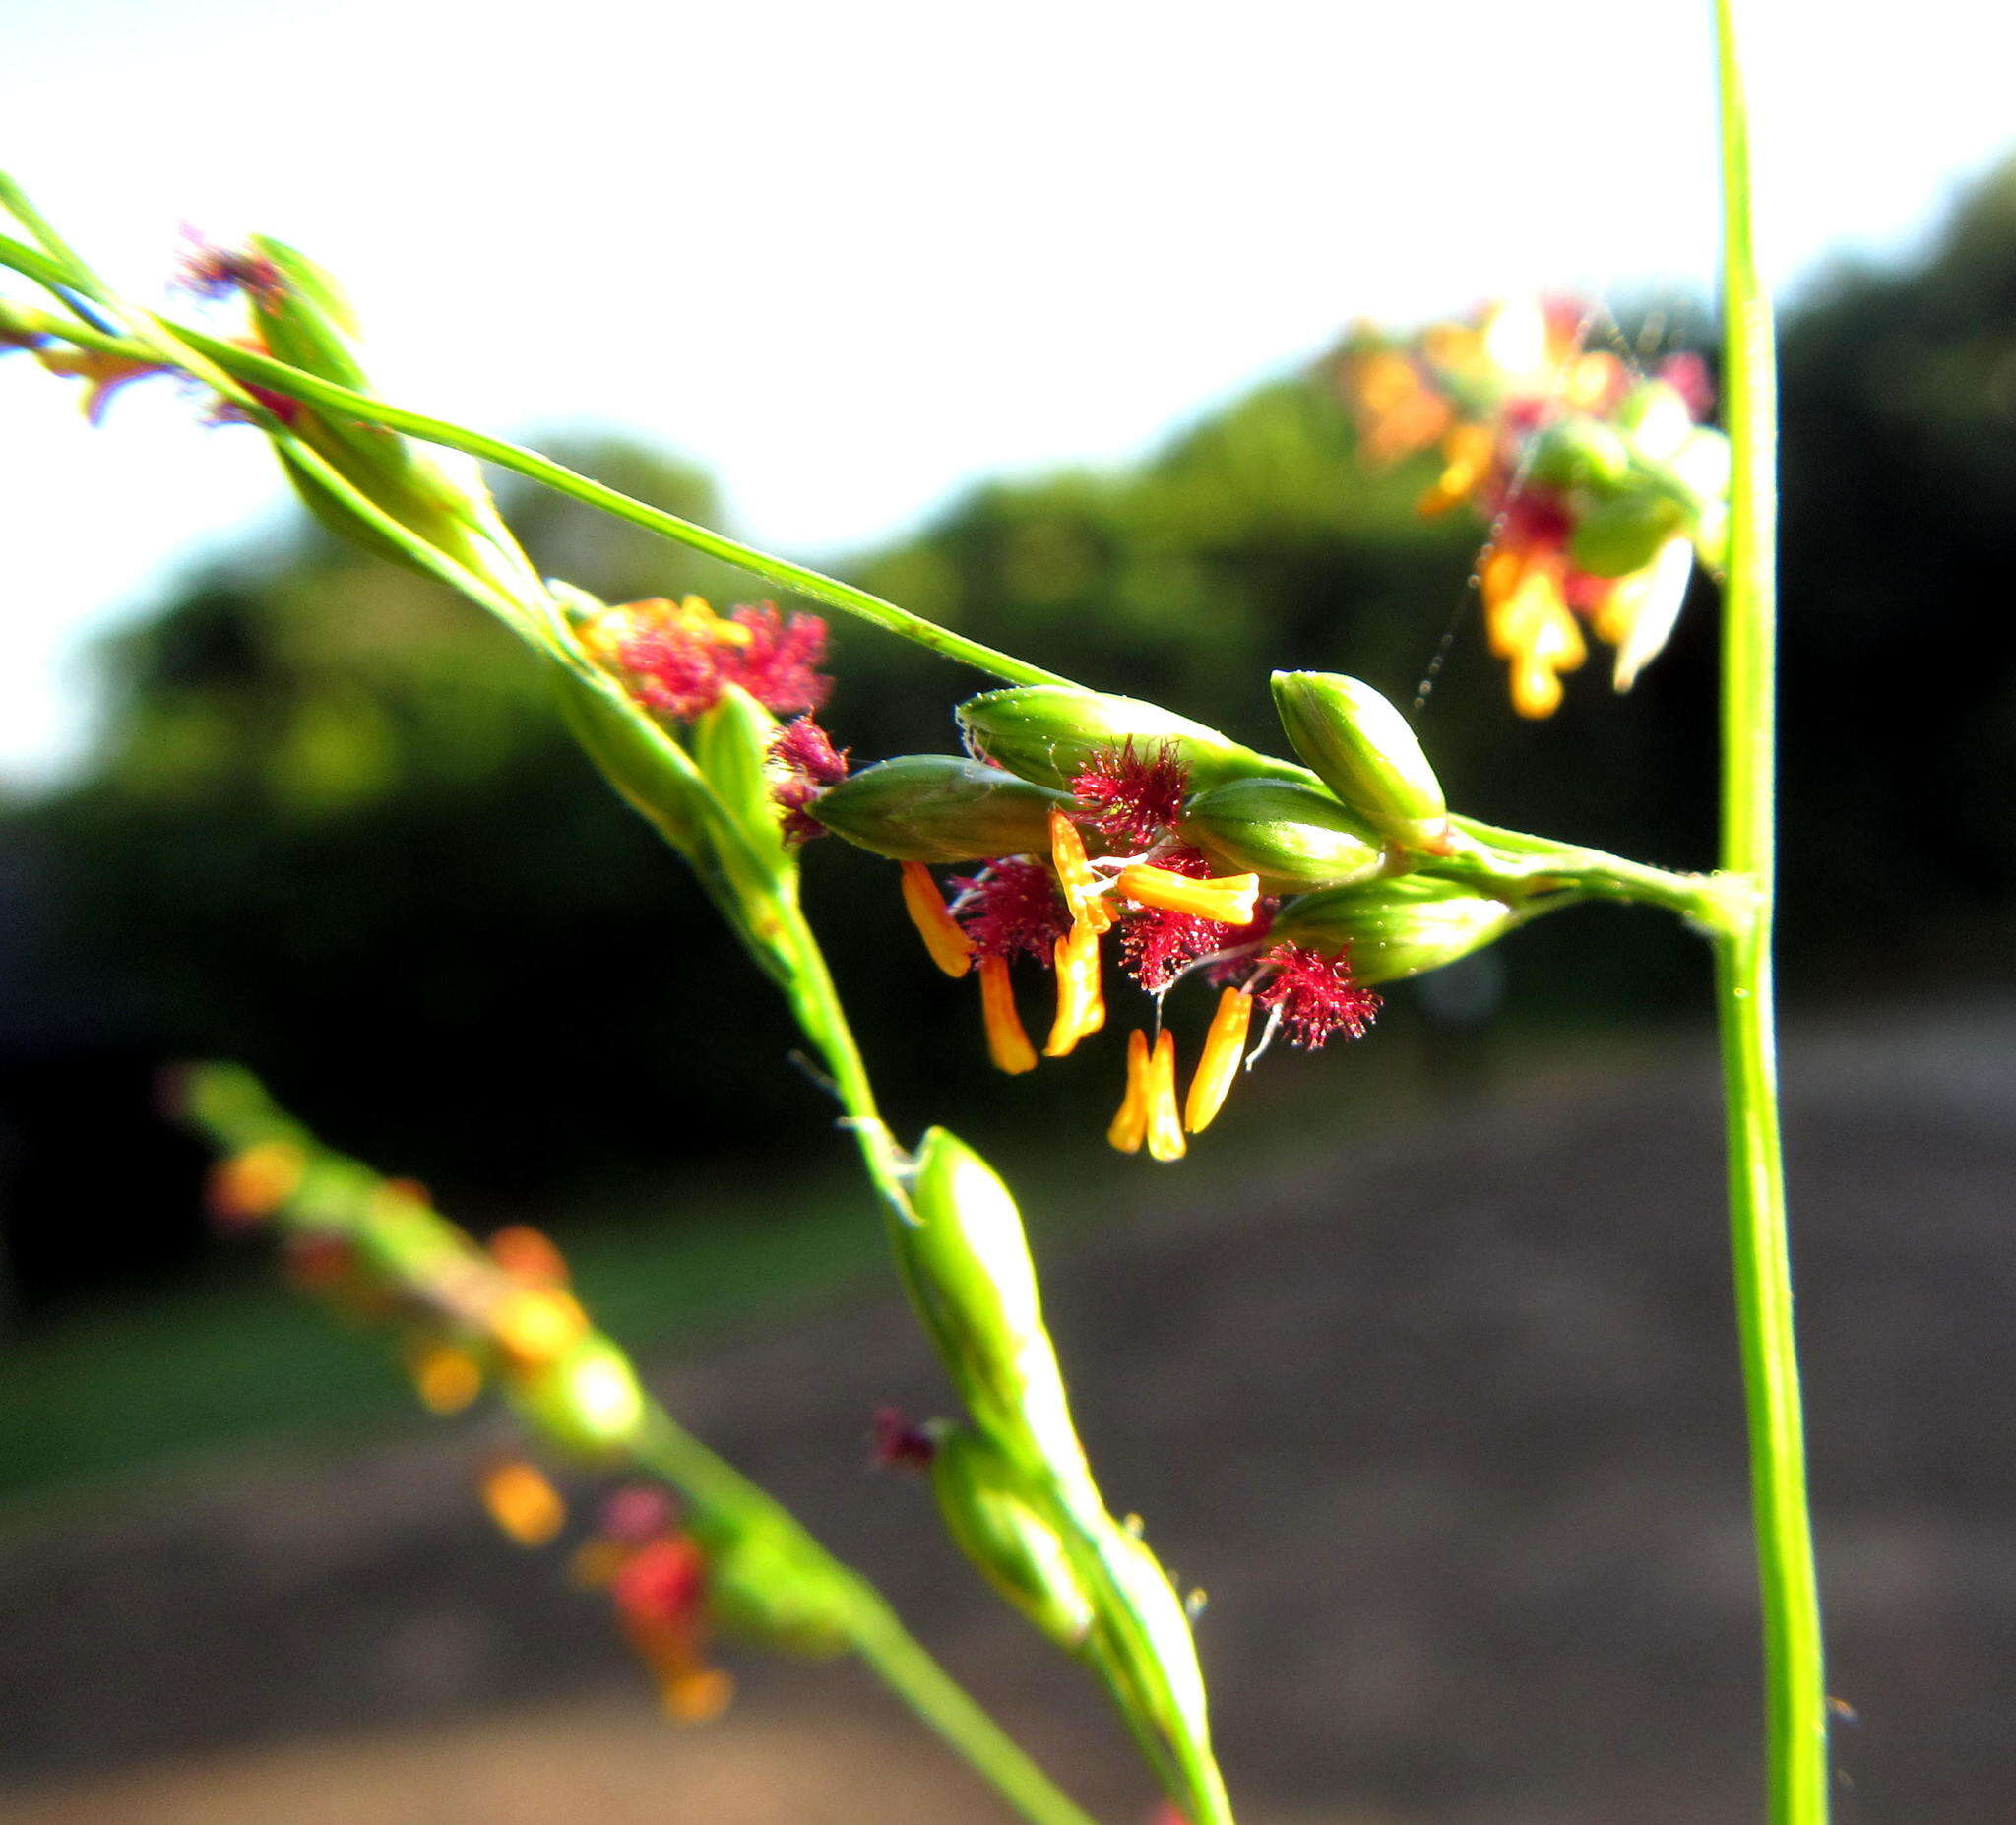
(806, 763)
(1172, 912)
(680, 657)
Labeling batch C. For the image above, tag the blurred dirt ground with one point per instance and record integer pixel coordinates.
(1450, 1432)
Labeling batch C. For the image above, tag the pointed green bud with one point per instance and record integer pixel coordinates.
(651, 773)
(762, 1585)
(1292, 836)
(939, 808)
(1395, 929)
(305, 320)
(966, 1262)
(1362, 747)
(1050, 732)
(730, 744)
(1619, 536)
(1655, 420)
(586, 1401)
(1578, 452)
(1167, 1684)
(990, 1512)
(437, 495)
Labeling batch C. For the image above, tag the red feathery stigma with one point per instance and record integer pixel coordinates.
(212, 271)
(778, 666)
(636, 1514)
(1315, 995)
(1012, 905)
(1687, 374)
(1155, 943)
(803, 746)
(900, 1443)
(808, 764)
(664, 1581)
(1132, 795)
(1531, 518)
(1239, 938)
(683, 664)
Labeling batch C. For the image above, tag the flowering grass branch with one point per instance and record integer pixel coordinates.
(730, 1558)
(1293, 887)
(677, 705)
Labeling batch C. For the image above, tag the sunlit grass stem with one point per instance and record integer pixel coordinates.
(1796, 1705)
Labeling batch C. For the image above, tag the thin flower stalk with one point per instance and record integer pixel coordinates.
(727, 1558)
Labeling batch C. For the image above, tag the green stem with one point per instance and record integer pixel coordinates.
(1795, 1707)
(278, 377)
(1511, 859)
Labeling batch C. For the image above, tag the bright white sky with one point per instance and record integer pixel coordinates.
(851, 257)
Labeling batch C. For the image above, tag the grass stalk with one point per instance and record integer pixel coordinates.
(1795, 1706)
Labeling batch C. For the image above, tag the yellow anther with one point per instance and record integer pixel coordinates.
(446, 1379)
(1007, 1044)
(1227, 898)
(256, 1183)
(1164, 1121)
(1467, 459)
(696, 1695)
(595, 1563)
(1081, 1001)
(1084, 890)
(533, 1325)
(951, 949)
(1223, 1047)
(526, 1507)
(1130, 1127)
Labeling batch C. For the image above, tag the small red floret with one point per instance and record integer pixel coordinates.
(682, 668)
(664, 1580)
(1315, 995)
(212, 271)
(808, 764)
(636, 1514)
(779, 668)
(900, 1443)
(1012, 905)
(1132, 795)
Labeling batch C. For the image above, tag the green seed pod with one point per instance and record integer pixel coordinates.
(645, 765)
(1655, 420)
(1396, 928)
(761, 1587)
(1620, 535)
(1578, 452)
(990, 1513)
(730, 744)
(966, 1262)
(437, 495)
(305, 320)
(588, 1399)
(1161, 1671)
(1362, 747)
(1292, 836)
(939, 808)
(1050, 732)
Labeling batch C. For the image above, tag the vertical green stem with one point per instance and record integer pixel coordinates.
(1795, 1706)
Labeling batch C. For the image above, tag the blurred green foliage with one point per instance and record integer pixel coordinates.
(334, 827)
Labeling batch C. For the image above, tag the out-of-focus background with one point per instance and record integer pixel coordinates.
(1422, 1365)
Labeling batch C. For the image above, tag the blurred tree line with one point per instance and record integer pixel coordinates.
(333, 827)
